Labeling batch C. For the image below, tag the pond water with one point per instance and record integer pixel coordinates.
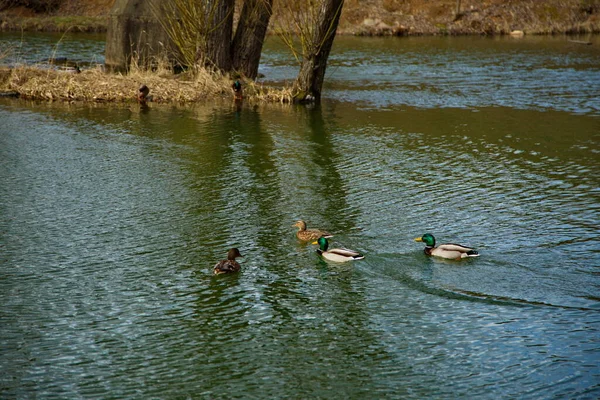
(112, 217)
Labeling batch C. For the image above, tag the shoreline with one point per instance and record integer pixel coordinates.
(97, 86)
(370, 27)
(366, 17)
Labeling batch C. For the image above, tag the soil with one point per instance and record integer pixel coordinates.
(364, 17)
(486, 17)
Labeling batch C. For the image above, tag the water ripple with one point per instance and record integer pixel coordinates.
(109, 232)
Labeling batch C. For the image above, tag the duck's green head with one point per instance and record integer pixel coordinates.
(237, 86)
(323, 243)
(427, 238)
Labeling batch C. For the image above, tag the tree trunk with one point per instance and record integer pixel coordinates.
(218, 40)
(457, 13)
(310, 79)
(134, 34)
(249, 37)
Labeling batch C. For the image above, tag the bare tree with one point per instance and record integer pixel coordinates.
(202, 31)
(218, 42)
(188, 24)
(313, 24)
(250, 36)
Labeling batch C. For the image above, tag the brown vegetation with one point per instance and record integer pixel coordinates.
(54, 15)
(359, 17)
(488, 17)
(94, 85)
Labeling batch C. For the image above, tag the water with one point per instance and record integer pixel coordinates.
(111, 219)
(543, 73)
(87, 50)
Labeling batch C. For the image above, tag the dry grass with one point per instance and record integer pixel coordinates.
(490, 17)
(53, 24)
(96, 86)
(61, 83)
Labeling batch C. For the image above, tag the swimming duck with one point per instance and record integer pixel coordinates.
(448, 250)
(337, 255)
(229, 265)
(307, 235)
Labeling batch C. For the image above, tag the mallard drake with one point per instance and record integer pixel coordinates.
(307, 235)
(229, 265)
(337, 255)
(448, 250)
(237, 90)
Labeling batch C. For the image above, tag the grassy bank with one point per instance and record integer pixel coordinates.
(365, 17)
(76, 23)
(94, 85)
(54, 15)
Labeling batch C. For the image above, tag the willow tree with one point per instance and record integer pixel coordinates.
(202, 31)
(217, 52)
(309, 31)
(250, 36)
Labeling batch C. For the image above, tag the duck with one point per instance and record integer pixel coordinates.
(70, 70)
(337, 255)
(229, 265)
(143, 94)
(237, 90)
(449, 251)
(307, 235)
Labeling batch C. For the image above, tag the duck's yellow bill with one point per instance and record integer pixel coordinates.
(315, 242)
(418, 239)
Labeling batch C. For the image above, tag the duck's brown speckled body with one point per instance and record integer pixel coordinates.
(307, 235)
(230, 265)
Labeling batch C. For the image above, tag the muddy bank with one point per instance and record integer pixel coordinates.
(367, 17)
(474, 17)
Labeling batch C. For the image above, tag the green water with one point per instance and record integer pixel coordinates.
(112, 217)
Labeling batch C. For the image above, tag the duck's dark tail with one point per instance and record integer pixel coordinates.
(472, 253)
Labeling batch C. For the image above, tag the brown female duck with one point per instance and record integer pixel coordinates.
(229, 265)
(307, 235)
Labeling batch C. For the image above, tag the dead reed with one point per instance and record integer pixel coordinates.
(94, 85)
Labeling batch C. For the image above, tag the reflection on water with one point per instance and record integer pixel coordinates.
(36, 48)
(543, 73)
(111, 219)
(468, 72)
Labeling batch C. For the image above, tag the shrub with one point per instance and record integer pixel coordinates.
(35, 5)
